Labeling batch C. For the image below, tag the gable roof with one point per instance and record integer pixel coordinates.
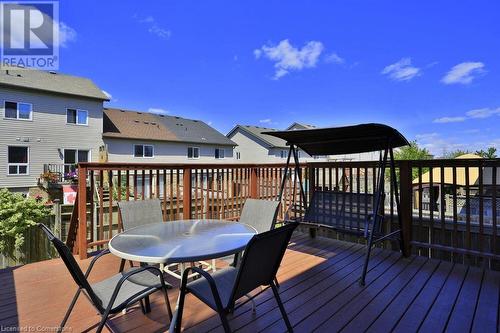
(126, 124)
(256, 132)
(53, 82)
(298, 126)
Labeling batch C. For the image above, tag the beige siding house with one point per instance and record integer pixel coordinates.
(255, 147)
(138, 137)
(46, 118)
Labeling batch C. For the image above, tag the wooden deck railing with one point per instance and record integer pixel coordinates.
(466, 233)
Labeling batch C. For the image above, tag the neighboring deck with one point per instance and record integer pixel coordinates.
(318, 286)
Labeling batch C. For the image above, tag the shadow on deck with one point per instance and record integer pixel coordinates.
(318, 287)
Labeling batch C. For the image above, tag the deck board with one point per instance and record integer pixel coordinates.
(319, 289)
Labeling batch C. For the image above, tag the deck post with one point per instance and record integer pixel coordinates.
(254, 181)
(186, 193)
(406, 194)
(82, 211)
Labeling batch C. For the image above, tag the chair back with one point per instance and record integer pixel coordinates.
(140, 212)
(261, 259)
(71, 264)
(260, 214)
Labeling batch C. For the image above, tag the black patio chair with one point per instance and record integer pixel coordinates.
(137, 213)
(114, 294)
(259, 265)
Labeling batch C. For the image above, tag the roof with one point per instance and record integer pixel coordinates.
(257, 131)
(343, 140)
(298, 126)
(53, 82)
(126, 124)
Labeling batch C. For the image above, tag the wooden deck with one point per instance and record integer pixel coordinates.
(318, 286)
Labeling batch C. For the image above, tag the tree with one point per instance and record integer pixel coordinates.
(455, 153)
(413, 152)
(491, 152)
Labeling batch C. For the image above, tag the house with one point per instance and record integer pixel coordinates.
(46, 118)
(255, 147)
(141, 137)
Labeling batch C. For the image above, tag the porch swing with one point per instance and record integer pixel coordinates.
(362, 215)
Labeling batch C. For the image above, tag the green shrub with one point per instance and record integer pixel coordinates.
(18, 214)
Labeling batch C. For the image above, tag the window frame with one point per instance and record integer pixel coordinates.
(19, 164)
(77, 150)
(193, 148)
(283, 153)
(219, 149)
(237, 155)
(17, 110)
(143, 150)
(76, 117)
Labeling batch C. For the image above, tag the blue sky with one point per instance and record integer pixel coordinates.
(429, 68)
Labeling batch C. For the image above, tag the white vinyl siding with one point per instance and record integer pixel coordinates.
(119, 150)
(18, 160)
(18, 110)
(46, 135)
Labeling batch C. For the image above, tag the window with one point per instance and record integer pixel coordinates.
(193, 152)
(238, 155)
(74, 156)
(284, 154)
(219, 153)
(17, 160)
(143, 151)
(14, 110)
(77, 117)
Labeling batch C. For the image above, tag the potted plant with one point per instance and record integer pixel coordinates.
(71, 176)
(48, 178)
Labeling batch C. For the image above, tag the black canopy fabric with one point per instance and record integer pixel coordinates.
(343, 140)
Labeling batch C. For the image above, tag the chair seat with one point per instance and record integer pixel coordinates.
(134, 288)
(224, 280)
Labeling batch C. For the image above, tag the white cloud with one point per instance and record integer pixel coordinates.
(334, 58)
(265, 121)
(438, 146)
(402, 70)
(288, 58)
(66, 34)
(153, 27)
(158, 111)
(482, 113)
(472, 114)
(444, 120)
(463, 73)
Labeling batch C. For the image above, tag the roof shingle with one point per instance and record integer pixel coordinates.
(28, 78)
(128, 124)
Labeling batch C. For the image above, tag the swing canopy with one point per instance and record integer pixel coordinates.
(343, 140)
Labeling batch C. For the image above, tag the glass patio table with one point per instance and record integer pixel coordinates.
(181, 241)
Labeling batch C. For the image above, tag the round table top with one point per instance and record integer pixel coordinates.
(181, 241)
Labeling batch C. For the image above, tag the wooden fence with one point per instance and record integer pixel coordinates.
(219, 191)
